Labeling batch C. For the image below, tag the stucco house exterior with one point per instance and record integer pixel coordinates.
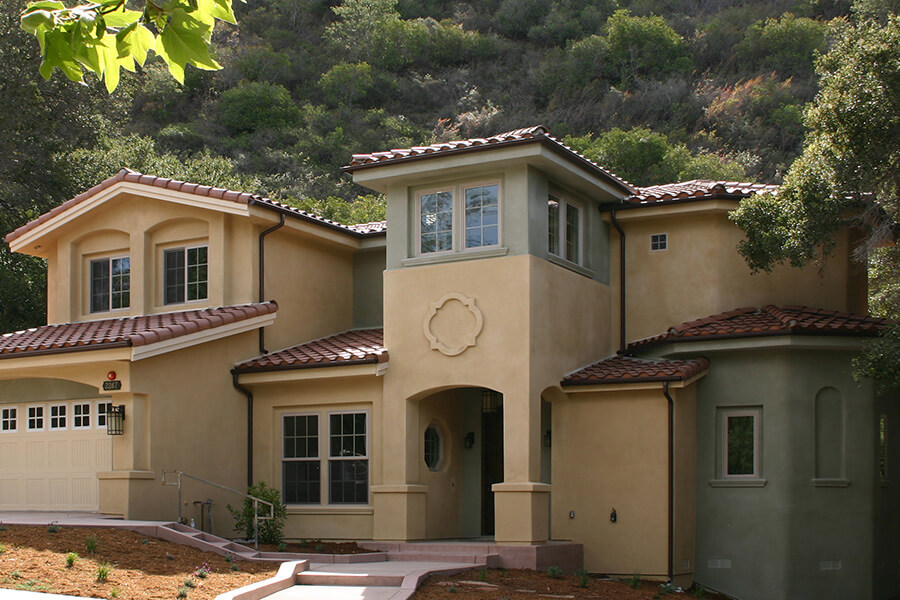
(529, 350)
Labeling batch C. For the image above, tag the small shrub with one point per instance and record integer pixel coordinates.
(182, 592)
(229, 558)
(270, 531)
(2, 526)
(483, 575)
(203, 571)
(320, 548)
(190, 583)
(145, 541)
(15, 575)
(282, 547)
(90, 542)
(114, 593)
(103, 572)
(699, 591)
(53, 528)
(2, 549)
(554, 572)
(583, 577)
(452, 589)
(234, 567)
(635, 581)
(71, 559)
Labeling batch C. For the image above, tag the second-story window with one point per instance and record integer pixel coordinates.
(459, 218)
(564, 229)
(185, 277)
(110, 283)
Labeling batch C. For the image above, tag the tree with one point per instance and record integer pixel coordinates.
(849, 172)
(105, 36)
(641, 47)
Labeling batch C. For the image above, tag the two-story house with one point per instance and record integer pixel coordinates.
(530, 351)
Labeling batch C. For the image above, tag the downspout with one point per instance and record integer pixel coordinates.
(621, 281)
(249, 394)
(262, 275)
(671, 402)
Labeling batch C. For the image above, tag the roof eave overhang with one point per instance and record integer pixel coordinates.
(631, 384)
(27, 240)
(319, 228)
(693, 346)
(368, 367)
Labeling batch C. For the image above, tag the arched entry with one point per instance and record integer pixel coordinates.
(461, 457)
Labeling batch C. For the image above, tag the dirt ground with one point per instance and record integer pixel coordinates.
(142, 568)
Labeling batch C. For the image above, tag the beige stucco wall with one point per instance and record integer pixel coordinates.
(333, 392)
(701, 272)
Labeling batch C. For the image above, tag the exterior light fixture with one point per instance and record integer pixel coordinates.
(115, 420)
(469, 440)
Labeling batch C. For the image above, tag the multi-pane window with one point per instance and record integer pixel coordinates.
(472, 210)
(348, 459)
(301, 467)
(81, 415)
(740, 447)
(110, 284)
(659, 241)
(482, 213)
(9, 420)
(564, 229)
(432, 448)
(35, 418)
(185, 276)
(58, 416)
(103, 409)
(436, 222)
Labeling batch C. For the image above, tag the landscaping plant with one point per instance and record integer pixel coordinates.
(271, 531)
(103, 572)
(90, 542)
(71, 559)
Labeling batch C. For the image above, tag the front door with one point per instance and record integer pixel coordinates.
(491, 460)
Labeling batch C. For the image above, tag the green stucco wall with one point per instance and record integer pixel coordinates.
(795, 537)
(368, 288)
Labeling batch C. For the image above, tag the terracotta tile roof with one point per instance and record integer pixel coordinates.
(769, 320)
(358, 346)
(697, 189)
(124, 332)
(625, 369)
(127, 175)
(371, 227)
(538, 133)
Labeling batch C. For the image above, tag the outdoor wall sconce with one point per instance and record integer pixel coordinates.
(547, 438)
(115, 420)
(469, 440)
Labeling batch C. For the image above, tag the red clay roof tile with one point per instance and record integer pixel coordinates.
(350, 347)
(130, 176)
(769, 320)
(127, 331)
(697, 189)
(626, 369)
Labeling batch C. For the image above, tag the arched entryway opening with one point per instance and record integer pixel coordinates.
(460, 458)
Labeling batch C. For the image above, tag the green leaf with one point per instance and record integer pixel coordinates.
(32, 20)
(122, 18)
(176, 67)
(184, 42)
(45, 5)
(109, 60)
(135, 40)
(220, 9)
(59, 54)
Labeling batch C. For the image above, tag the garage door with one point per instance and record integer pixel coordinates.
(50, 454)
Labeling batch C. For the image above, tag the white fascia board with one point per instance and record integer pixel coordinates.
(201, 337)
(20, 366)
(673, 208)
(311, 373)
(126, 187)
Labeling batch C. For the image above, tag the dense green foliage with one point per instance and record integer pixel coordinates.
(271, 531)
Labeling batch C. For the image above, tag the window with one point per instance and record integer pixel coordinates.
(35, 418)
(564, 228)
(659, 241)
(740, 447)
(432, 448)
(58, 416)
(9, 422)
(81, 415)
(110, 284)
(474, 210)
(103, 409)
(348, 464)
(301, 469)
(185, 275)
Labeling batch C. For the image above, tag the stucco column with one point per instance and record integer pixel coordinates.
(522, 502)
(130, 457)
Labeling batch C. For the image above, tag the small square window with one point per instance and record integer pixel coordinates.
(659, 241)
(9, 420)
(35, 418)
(58, 419)
(739, 451)
(103, 409)
(81, 415)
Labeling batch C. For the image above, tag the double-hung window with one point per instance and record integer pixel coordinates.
(301, 469)
(564, 229)
(458, 218)
(348, 458)
(9, 420)
(110, 283)
(185, 277)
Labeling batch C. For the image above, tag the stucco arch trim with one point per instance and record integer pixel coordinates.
(453, 340)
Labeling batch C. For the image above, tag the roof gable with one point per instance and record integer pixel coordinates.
(359, 346)
(626, 369)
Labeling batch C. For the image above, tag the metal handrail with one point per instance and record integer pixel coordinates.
(256, 501)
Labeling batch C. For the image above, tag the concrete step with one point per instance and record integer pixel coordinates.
(324, 592)
(490, 560)
(349, 579)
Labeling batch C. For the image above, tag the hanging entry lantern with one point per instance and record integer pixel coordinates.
(115, 420)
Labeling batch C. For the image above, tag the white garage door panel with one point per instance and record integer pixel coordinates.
(52, 470)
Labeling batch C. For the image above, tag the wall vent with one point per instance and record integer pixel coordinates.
(830, 565)
(719, 563)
